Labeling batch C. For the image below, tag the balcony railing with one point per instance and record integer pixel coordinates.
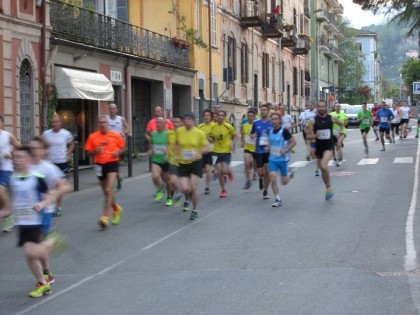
(252, 13)
(85, 27)
(273, 27)
(302, 47)
(332, 21)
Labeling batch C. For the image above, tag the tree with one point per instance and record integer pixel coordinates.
(411, 72)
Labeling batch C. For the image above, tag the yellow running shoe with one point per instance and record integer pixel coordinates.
(103, 222)
(41, 289)
(116, 212)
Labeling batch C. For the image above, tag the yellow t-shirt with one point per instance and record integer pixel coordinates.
(222, 135)
(190, 143)
(206, 128)
(249, 144)
(171, 147)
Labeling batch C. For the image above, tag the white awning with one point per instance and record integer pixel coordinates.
(76, 84)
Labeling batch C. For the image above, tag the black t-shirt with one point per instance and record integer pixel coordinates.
(325, 126)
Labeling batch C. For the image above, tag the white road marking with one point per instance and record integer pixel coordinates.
(299, 164)
(400, 160)
(331, 162)
(368, 161)
(236, 163)
(410, 252)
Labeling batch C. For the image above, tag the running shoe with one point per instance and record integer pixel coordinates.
(7, 224)
(329, 194)
(116, 212)
(158, 194)
(334, 161)
(223, 193)
(59, 242)
(338, 163)
(206, 191)
(49, 278)
(41, 289)
(377, 139)
(103, 222)
(261, 183)
(265, 195)
(120, 179)
(317, 172)
(176, 198)
(248, 184)
(308, 158)
(277, 203)
(231, 177)
(366, 151)
(383, 149)
(194, 215)
(57, 212)
(186, 206)
(168, 202)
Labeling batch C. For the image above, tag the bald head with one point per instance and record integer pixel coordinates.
(56, 123)
(113, 110)
(158, 111)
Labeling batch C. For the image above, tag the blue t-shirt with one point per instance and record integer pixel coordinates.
(279, 139)
(384, 116)
(261, 129)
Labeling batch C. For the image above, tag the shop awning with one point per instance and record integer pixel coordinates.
(77, 84)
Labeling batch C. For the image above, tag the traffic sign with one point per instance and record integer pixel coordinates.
(416, 87)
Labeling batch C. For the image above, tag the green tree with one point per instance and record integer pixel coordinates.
(411, 72)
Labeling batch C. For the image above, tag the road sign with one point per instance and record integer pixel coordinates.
(416, 87)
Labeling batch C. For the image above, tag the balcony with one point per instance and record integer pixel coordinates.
(323, 44)
(334, 53)
(72, 25)
(332, 24)
(252, 13)
(273, 26)
(302, 46)
(290, 39)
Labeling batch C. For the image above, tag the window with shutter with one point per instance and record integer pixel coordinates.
(302, 82)
(234, 68)
(244, 63)
(213, 18)
(273, 73)
(122, 10)
(282, 75)
(295, 88)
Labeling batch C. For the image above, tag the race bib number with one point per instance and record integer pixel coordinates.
(366, 121)
(188, 155)
(384, 119)
(159, 148)
(26, 213)
(249, 140)
(324, 134)
(263, 140)
(275, 151)
(98, 170)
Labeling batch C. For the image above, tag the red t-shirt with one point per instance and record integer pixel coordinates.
(152, 126)
(111, 142)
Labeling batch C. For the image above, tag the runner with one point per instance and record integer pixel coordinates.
(320, 128)
(173, 165)
(303, 119)
(118, 124)
(106, 146)
(281, 142)
(61, 146)
(29, 193)
(260, 130)
(249, 146)
(206, 127)
(152, 126)
(364, 118)
(384, 115)
(286, 119)
(191, 143)
(224, 137)
(7, 143)
(395, 122)
(158, 151)
(375, 120)
(405, 111)
(339, 136)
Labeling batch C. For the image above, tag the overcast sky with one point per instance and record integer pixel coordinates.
(358, 17)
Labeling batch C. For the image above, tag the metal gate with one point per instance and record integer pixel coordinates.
(26, 102)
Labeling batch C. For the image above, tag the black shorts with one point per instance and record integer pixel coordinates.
(395, 127)
(404, 121)
(173, 169)
(261, 159)
(29, 233)
(223, 158)
(207, 159)
(163, 166)
(196, 168)
(375, 123)
(64, 167)
(365, 130)
(111, 167)
(386, 130)
(321, 148)
(249, 152)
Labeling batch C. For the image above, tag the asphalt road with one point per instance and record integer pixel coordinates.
(355, 254)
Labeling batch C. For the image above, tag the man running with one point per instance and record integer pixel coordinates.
(260, 130)
(320, 128)
(152, 125)
(224, 137)
(191, 143)
(286, 119)
(395, 122)
(249, 146)
(304, 117)
(206, 127)
(339, 135)
(106, 147)
(61, 146)
(384, 116)
(405, 111)
(375, 119)
(364, 118)
(281, 142)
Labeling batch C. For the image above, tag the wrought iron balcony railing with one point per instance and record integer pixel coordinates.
(252, 13)
(85, 27)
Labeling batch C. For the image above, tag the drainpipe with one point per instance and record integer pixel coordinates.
(210, 59)
(44, 111)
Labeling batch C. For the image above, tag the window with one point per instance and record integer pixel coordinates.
(282, 76)
(115, 9)
(244, 63)
(295, 81)
(199, 17)
(213, 17)
(302, 82)
(273, 73)
(26, 101)
(216, 91)
(265, 70)
(231, 55)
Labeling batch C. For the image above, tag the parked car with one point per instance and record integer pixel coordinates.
(351, 113)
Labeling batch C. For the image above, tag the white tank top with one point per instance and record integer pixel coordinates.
(5, 148)
(116, 124)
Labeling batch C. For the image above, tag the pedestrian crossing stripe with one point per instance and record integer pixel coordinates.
(299, 164)
(368, 161)
(400, 160)
(236, 163)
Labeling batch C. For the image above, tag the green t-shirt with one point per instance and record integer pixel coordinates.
(343, 118)
(159, 146)
(366, 118)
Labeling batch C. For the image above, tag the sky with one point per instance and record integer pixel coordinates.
(358, 17)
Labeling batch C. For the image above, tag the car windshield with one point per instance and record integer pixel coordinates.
(353, 110)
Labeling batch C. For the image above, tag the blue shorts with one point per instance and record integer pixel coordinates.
(5, 177)
(275, 166)
(46, 222)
